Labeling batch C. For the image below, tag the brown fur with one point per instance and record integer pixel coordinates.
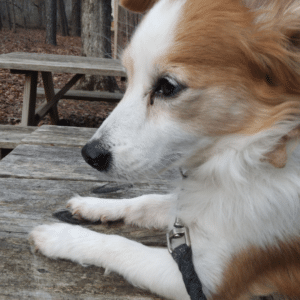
(261, 271)
(278, 157)
(139, 6)
(127, 62)
(246, 59)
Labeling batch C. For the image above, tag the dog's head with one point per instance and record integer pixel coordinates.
(201, 72)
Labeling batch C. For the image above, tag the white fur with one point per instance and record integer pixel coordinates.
(144, 142)
(145, 267)
(233, 200)
(144, 211)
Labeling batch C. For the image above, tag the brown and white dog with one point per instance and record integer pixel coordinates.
(213, 87)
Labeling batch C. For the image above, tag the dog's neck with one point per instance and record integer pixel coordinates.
(229, 190)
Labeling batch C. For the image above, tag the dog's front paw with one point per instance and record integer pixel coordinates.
(56, 240)
(69, 242)
(96, 209)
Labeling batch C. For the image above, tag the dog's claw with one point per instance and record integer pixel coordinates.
(76, 214)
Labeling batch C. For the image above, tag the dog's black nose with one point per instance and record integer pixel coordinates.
(96, 156)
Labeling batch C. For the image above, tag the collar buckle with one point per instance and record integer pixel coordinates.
(177, 232)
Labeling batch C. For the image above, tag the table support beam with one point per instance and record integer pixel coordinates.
(49, 95)
(44, 109)
(29, 99)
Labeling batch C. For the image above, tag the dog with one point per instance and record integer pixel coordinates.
(213, 89)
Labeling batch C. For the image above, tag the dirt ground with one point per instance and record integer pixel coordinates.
(71, 112)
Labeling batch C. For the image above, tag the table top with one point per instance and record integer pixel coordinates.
(62, 64)
(26, 203)
(36, 180)
(11, 136)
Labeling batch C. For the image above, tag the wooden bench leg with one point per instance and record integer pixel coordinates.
(49, 94)
(29, 99)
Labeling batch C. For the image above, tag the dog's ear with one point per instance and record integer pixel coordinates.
(276, 43)
(139, 6)
(278, 157)
(275, 61)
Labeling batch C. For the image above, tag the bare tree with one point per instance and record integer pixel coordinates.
(40, 5)
(8, 14)
(76, 18)
(51, 20)
(63, 18)
(96, 40)
(12, 2)
(1, 25)
(24, 10)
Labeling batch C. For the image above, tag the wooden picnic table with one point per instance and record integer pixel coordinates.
(30, 64)
(36, 179)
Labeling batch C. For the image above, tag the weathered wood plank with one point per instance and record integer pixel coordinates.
(28, 275)
(86, 95)
(44, 162)
(41, 162)
(32, 202)
(29, 99)
(59, 136)
(62, 64)
(11, 136)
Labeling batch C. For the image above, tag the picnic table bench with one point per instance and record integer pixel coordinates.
(44, 170)
(30, 64)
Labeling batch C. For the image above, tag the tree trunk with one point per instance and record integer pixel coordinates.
(8, 14)
(24, 9)
(51, 22)
(96, 40)
(1, 25)
(41, 12)
(63, 18)
(96, 24)
(12, 2)
(76, 18)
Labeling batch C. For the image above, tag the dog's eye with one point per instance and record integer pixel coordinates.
(167, 87)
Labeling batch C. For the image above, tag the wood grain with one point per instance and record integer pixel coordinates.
(86, 95)
(29, 275)
(49, 135)
(29, 99)
(62, 64)
(11, 136)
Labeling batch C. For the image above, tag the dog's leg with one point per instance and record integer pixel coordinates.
(145, 211)
(149, 268)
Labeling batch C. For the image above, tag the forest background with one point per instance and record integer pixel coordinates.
(65, 27)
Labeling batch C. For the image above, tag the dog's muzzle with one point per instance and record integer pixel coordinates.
(97, 156)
